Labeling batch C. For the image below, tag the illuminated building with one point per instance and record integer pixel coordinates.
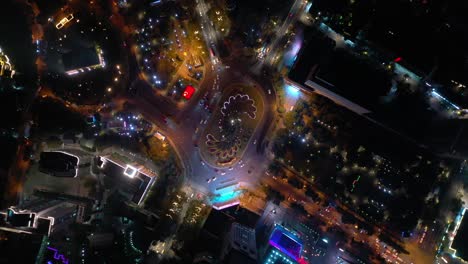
(130, 171)
(275, 256)
(458, 246)
(310, 73)
(27, 221)
(286, 242)
(284, 247)
(230, 233)
(83, 60)
(6, 69)
(133, 179)
(20, 218)
(314, 244)
(64, 21)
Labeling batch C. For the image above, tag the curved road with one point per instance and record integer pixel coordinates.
(185, 126)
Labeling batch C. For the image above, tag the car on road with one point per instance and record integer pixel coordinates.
(212, 52)
(211, 179)
(159, 136)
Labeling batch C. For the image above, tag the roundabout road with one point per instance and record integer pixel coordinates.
(183, 127)
(212, 125)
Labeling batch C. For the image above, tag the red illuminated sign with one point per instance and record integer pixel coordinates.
(188, 92)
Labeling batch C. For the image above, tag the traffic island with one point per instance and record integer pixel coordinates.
(232, 125)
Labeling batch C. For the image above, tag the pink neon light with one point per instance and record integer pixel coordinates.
(58, 256)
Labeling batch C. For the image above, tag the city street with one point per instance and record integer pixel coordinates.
(183, 128)
(271, 50)
(230, 131)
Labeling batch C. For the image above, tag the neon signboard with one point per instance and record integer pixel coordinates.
(58, 256)
(130, 171)
(286, 243)
(188, 92)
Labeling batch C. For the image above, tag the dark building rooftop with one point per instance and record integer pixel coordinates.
(242, 216)
(237, 257)
(19, 247)
(58, 164)
(80, 57)
(18, 219)
(240, 245)
(431, 35)
(349, 80)
(48, 8)
(218, 223)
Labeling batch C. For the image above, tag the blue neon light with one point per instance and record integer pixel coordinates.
(274, 255)
(286, 242)
(292, 91)
(58, 256)
(436, 94)
(227, 196)
(350, 43)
